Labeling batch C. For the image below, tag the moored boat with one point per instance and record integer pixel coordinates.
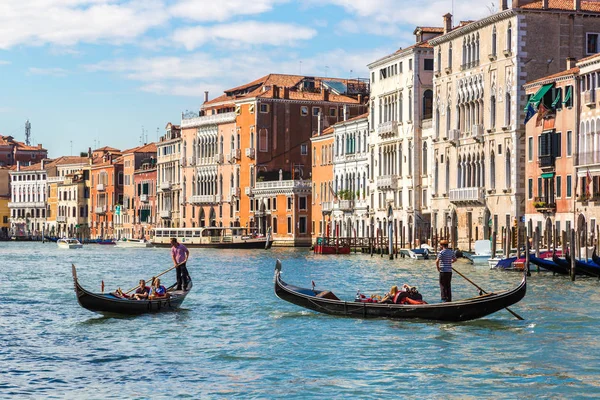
(461, 310)
(143, 243)
(217, 237)
(108, 303)
(482, 253)
(69, 243)
(330, 246)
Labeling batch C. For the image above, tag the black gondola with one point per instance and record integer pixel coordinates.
(595, 258)
(549, 265)
(461, 310)
(107, 303)
(588, 268)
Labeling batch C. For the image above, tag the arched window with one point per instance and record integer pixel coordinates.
(509, 38)
(494, 40)
(428, 104)
(410, 116)
(508, 171)
(439, 61)
(493, 111)
(448, 120)
(437, 123)
(507, 110)
(492, 170)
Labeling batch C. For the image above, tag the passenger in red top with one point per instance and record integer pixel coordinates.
(180, 255)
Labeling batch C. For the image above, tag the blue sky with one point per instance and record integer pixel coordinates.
(89, 73)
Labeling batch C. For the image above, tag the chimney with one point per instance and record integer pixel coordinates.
(577, 5)
(325, 94)
(504, 5)
(18, 166)
(275, 91)
(345, 112)
(544, 4)
(447, 23)
(205, 96)
(571, 62)
(42, 164)
(39, 145)
(286, 92)
(360, 99)
(319, 125)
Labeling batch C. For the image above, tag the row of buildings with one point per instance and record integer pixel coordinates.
(477, 127)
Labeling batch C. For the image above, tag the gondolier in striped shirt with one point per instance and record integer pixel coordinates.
(444, 261)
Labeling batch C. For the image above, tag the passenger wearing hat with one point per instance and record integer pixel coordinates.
(444, 261)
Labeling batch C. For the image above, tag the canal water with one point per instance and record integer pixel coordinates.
(234, 338)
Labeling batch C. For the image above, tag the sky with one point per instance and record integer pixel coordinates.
(93, 73)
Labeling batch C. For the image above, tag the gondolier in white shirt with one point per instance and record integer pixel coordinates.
(180, 255)
(444, 261)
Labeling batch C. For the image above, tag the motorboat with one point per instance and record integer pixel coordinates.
(482, 253)
(136, 243)
(69, 243)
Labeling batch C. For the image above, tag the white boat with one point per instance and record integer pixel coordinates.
(69, 243)
(137, 243)
(482, 254)
(233, 237)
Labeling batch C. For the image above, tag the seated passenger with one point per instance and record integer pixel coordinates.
(157, 290)
(119, 293)
(141, 292)
(389, 297)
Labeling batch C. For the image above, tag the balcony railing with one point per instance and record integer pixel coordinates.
(165, 214)
(588, 158)
(219, 158)
(61, 218)
(544, 205)
(478, 132)
(100, 209)
(289, 184)
(26, 204)
(202, 199)
(100, 187)
(144, 198)
(165, 185)
(214, 119)
(453, 135)
(589, 98)
(388, 128)
(346, 205)
(546, 161)
(327, 206)
(467, 195)
(56, 179)
(388, 182)
(250, 152)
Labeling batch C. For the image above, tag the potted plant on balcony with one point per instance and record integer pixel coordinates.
(583, 198)
(539, 204)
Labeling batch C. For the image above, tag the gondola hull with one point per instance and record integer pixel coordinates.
(548, 265)
(106, 303)
(462, 310)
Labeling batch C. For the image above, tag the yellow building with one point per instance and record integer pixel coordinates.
(4, 199)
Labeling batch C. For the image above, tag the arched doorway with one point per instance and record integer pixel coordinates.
(202, 221)
(487, 224)
(349, 228)
(212, 217)
(548, 232)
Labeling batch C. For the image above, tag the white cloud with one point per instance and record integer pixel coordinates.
(56, 72)
(243, 33)
(4, 62)
(220, 10)
(68, 22)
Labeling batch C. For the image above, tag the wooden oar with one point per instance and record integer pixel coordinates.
(155, 276)
(517, 316)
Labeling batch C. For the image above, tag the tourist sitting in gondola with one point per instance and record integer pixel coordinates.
(406, 295)
(157, 290)
(142, 292)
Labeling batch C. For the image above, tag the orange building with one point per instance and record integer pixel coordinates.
(144, 203)
(322, 180)
(132, 161)
(12, 151)
(106, 193)
(550, 164)
(276, 116)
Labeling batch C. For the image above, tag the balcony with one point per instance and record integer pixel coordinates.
(100, 209)
(219, 158)
(61, 218)
(214, 119)
(100, 187)
(543, 205)
(453, 135)
(278, 185)
(247, 191)
(589, 98)
(478, 132)
(387, 129)
(250, 153)
(546, 162)
(234, 192)
(468, 195)
(26, 204)
(56, 179)
(202, 199)
(326, 206)
(165, 214)
(588, 158)
(165, 185)
(388, 182)
(191, 161)
(346, 205)
(144, 198)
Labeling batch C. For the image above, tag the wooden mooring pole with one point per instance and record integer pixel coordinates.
(574, 245)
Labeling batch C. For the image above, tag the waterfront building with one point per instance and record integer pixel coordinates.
(275, 118)
(209, 146)
(549, 151)
(12, 151)
(401, 110)
(169, 177)
(586, 180)
(145, 202)
(132, 161)
(322, 179)
(4, 199)
(106, 193)
(351, 182)
(28, 200)
(479, 135)
(68, 196)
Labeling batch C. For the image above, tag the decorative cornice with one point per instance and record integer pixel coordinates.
(473, 26)
(550, 80)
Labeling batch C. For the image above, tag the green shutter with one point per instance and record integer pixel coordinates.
(568, 95)
(539, 95)
(558, 98)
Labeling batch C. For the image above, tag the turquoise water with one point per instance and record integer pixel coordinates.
(234, 338)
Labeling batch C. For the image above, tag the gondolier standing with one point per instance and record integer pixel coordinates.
(444, 261)
(180, 255)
